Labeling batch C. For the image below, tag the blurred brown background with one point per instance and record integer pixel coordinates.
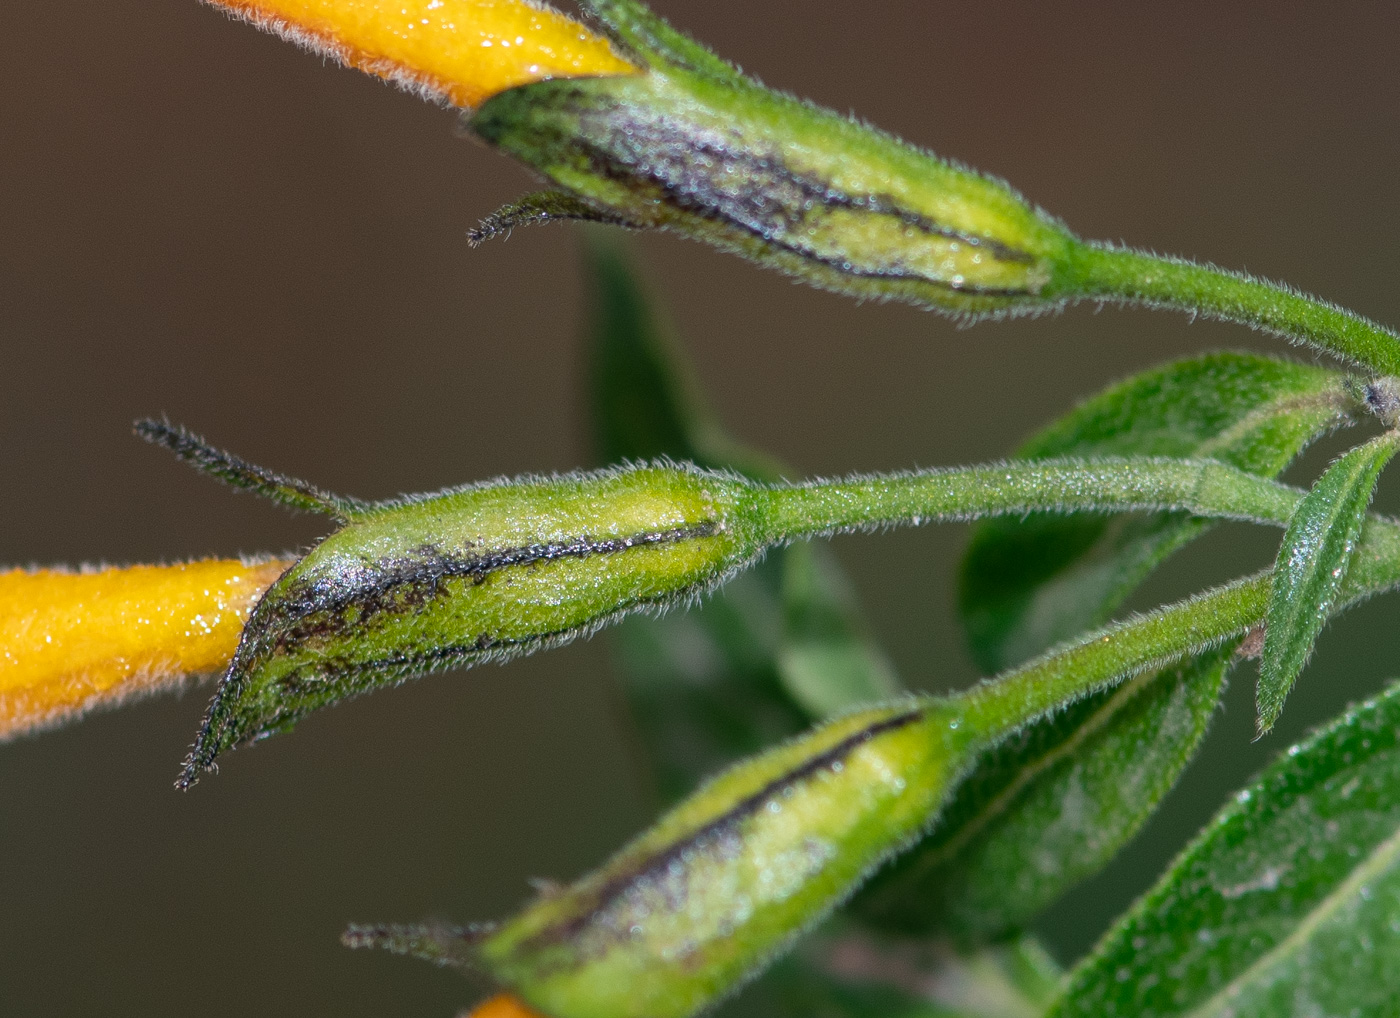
(199, 220)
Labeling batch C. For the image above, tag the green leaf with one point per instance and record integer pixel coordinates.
(1312, 563)
(851, 976)
(826, 660)
(1027, 585)
(794, 988)
(1041, 813)
(702, 685)
(776, 648)
(1288, 903)
(1049, 807)
(646, 401)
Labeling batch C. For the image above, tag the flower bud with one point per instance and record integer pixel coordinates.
(695, 147)
(483, 572)
(724, 881)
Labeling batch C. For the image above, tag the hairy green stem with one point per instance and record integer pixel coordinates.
(1201, 487)
(1158, 638)
(1134, 277)
(1116, 652)
(494, 570)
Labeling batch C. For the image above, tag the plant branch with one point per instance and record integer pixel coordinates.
(1201, 487)
(1125, 276)
(1158, 638)
(1116, 652)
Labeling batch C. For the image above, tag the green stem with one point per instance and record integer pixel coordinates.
(1202, 487)
(1157, 639)
(1114, 653)
(1135, 277)
(1117, 651)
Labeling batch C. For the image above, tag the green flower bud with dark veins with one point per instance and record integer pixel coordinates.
(733, 873)
(698, 148)
(483, 572)
(492, 570)
(726, 879)
(721, 884)
(695, 146)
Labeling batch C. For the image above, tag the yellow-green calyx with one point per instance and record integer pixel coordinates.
(482, 572)
(694, 146)
(720, 883)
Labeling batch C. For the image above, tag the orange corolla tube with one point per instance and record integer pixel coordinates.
(72, 641)
(461, 51)
(503, 1005)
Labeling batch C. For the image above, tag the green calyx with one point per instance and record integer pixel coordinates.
(694, 147)
(727, 878)
(485, 572)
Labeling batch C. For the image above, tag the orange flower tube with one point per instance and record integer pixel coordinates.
(503, 1005)
(72, 641)
(459, 51)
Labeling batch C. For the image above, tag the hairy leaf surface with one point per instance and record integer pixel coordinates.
(1312, 563)
(1288, 903)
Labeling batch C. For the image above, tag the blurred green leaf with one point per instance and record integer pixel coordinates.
(702, 685)
(851, 976)
(826, 660)
(1026, 585)
(1288, 903)
(1050, 807)
(645, 399)
(774, 650)
(793, 988)
(1312, 563)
